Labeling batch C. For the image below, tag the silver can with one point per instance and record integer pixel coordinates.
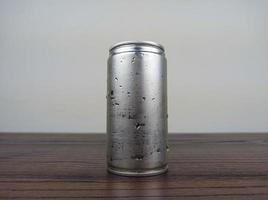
(137, 109)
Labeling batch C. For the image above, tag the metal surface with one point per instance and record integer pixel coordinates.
(137, 109)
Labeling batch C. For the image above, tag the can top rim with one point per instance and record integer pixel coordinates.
(143, 43)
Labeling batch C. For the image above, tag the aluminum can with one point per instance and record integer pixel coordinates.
(137, 109)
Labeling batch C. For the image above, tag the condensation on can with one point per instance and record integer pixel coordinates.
(137, 109)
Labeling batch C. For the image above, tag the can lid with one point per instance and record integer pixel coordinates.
(137, 44)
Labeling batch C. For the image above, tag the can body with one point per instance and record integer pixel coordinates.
(137, 109)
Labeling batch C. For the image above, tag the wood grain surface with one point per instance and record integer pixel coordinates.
(72, 166)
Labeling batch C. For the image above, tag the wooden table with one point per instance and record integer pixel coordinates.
(72, 166)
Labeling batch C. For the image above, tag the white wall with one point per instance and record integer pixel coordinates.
(53, 62)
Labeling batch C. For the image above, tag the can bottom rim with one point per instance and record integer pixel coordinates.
(151, 172)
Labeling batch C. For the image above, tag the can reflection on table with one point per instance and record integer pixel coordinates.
(137, 109)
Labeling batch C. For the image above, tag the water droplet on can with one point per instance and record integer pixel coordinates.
(167, 148)
(139, 125)
(137, 157)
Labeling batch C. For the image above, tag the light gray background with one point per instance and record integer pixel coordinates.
(53, 62)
